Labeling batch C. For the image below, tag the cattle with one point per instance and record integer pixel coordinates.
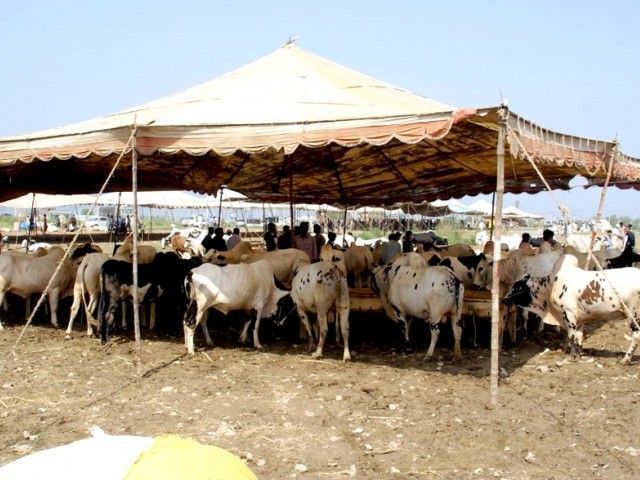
(573, 296)
(232, 256)
(456, 250)
(431, 258)
(283, 262)
(24, 275)
(358, 261)
(248, 287)
(429, 293)
(124, 252)
(163, 277)
(87, 281)
(487, 249)
(464, 268)
(381, 277)
(321, 288)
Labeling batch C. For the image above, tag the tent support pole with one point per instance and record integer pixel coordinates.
(221, 191)
(603, 195)
(495, 280)
(134, 259)
(291, 217)
(31, 217)
(493, 214)
(115, 237)
(344, 227)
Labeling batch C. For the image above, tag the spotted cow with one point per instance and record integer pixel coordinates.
(574, 296)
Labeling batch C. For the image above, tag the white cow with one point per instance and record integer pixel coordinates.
(321, 288)
(25, 276)
(429, 293)
(574, 296)
(233, 287)
(87, 282)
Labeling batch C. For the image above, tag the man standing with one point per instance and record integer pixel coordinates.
(319, 237)
(218, 240)
(391, 249)
(285, 240)
(207, 241)
(270, 237)
(234, 239)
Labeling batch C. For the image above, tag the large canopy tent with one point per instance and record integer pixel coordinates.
(293, 126)
(253, 127)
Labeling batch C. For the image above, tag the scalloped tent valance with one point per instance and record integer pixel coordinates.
(339, 135)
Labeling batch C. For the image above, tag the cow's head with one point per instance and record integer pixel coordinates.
(286, 307)
(520, 294)
(484, 271)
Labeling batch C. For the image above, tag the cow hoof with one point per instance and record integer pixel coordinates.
(625, 360)
(259, 347)
(67, 336)
(346, 358)
(316, 355)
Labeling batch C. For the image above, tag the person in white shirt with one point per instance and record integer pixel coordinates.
(234, 238)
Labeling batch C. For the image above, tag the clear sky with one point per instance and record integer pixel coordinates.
(568, 65)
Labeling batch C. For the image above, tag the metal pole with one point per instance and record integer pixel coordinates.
(31, 216)
(603, 195)
(495, 284)
(134, 260)
(221, 192)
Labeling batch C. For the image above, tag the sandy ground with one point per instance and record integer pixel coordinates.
(383, 415)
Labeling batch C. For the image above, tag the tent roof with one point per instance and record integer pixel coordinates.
(47, 201)
(515, 212)
(341, 135)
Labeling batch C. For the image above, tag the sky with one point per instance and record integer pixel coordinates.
(572, 66)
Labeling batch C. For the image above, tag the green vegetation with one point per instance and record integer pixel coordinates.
(454, 234)
(7, 222)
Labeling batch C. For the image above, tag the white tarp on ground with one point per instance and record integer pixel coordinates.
(515, 212)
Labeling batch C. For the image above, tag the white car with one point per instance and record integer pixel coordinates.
(97, 222)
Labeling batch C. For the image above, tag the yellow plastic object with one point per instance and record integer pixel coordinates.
(175, 458)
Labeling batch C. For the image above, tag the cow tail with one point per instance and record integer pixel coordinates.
(192, 306)
(102, 307)
(83, 293)
(459, 297)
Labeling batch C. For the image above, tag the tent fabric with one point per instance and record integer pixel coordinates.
(515, 212)
(293, 118)
(47, 201)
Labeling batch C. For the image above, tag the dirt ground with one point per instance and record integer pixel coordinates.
(383, 415)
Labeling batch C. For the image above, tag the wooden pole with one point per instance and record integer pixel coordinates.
(115, 237)
(344, 228)
(134, 260)
(493, 214)
(603, 195)
(291, 218)
(221, 192)
(495, 283)
(31, 217)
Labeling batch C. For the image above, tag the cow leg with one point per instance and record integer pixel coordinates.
(323, 329)
(123, 309)
(256, 330)
(75, 308)
(457, 335)
(3, 292)
(635, 339)
(435, 333)
(244, 336)
(205, 330)
(54, 295)
(574, 335)
(152, 316)
(93, 301)
(304, 318)
(190, 323)
(342, 317)
(27, 307)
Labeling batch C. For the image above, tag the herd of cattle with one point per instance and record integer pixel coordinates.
(425, 284)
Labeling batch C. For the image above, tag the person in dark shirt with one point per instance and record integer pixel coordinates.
(332, 238)
(207, 241)
(285, 240)
(319, 237)
(407, 243)
(219, 244)
(271, 236)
